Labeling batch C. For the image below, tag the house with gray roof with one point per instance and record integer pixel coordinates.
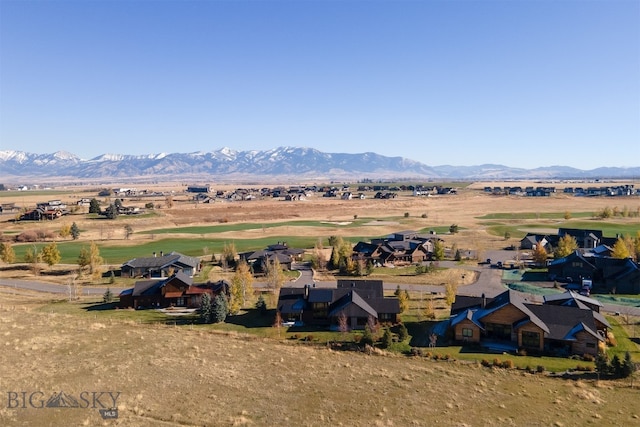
(357, 301)
(280, 251)
(565, 324)
(160, 266)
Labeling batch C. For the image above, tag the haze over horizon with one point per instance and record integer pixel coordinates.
(523, 84)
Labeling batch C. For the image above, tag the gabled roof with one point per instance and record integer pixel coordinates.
(162, 261)
(601, 250)
(365, 248)
(351, 297)
(562, 320)
(151, 287)
(126, 292)
(182, 277)
(467, 314)
(515, 299)
(146, 287)
(570, 257)
(571, 335)
(464, 302)
(570, 298)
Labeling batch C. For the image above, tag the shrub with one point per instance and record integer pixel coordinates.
(507, 364)
(485, 363)
(403, 333)
(540, 369)
(496, 362)
(416, 351)
(386, 339)
(27, 236)
(424, 215)
(522, 352)
(588, 357)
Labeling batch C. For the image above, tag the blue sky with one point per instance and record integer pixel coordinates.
(520, 83)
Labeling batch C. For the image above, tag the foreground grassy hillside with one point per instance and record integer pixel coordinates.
(173, 376)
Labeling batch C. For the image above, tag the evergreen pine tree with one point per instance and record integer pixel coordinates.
(367, 336)
(602, 364)
(403, 333)
(205, 308)
(628, 367)
(261, 305)
(219, 308)
(616, 366)
(75, 231)
(387, 338)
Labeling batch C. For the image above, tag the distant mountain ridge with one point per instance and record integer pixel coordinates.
(282, 162)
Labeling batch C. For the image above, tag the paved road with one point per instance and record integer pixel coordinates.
(53, 288)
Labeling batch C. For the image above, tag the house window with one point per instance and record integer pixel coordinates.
(467, 332)
(498, 331)
(530, 339)
(591, 345)
(385, 317)
(320, 310)
(180, 302)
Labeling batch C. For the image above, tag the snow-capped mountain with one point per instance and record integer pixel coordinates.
(279, 162)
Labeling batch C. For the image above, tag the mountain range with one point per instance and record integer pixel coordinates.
(283, 163)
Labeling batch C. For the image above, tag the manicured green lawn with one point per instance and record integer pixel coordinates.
(623, 341)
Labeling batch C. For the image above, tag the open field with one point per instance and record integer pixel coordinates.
(187, 377)
(206, 375)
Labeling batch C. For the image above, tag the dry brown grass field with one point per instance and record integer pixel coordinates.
(173, 376)
(189, 376)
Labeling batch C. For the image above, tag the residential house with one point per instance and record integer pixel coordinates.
(357, 301)
(607, 274)
(400, 248)
(509, 321)
(285, 255)
(586, 239)
(532, 240)
(42, 213)
(177, 290)
(160, 266)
